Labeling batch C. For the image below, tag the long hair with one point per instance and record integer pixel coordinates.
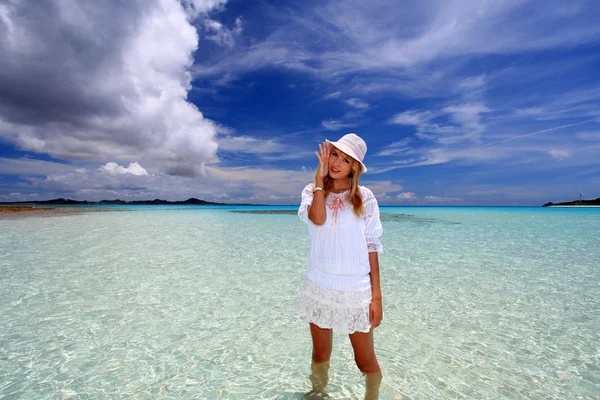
(354, 197)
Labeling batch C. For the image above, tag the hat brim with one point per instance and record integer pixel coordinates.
(348, 151)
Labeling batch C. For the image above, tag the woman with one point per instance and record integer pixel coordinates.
(342, 291)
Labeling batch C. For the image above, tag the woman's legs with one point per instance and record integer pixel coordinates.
(364, 352)
(366, 361)
(322, 345)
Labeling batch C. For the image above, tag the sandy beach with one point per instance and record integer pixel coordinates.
(20, 209)
(10, 212)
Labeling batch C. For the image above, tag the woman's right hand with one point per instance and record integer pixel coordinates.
(323, 160)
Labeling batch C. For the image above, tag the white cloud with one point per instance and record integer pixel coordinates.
(406, 196)
(559, 154)
(412, 117)
(248, 144)
(333, 95)
(579, 102)
(357, 103)
(114, 168)
(530, 112)
(382, 198)
(113, 181)
(336, 125)
(22, 195)
(444, 200)
(589, 136)
(265, 149)
(292, 155)
(464, 123)
(121, 95)
(433, 30)
(471, 84)
(195, 8)
(218, 33)
(468, 118)
(395, 148)
(386, 186)
(393, 47)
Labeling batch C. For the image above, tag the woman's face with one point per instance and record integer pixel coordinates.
(340, 164)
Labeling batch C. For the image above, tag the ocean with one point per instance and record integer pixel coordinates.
(198, 302)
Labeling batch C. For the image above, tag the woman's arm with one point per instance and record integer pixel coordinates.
(376, 308)
(316, 212)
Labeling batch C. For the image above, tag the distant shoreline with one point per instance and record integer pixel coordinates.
(582, 206)
(575, 203)
(156, 202)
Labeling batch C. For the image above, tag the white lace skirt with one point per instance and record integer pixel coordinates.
(344, 312)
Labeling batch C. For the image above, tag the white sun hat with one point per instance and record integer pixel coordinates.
(354, 146)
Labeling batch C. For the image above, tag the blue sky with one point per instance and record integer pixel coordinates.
(460, 102)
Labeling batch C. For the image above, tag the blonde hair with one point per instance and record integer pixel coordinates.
(354, 197)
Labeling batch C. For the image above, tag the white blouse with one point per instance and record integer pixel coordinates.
(338, 257)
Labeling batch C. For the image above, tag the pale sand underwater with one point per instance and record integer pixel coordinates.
(159, 302)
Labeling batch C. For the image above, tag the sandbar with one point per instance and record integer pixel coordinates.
(11, 212)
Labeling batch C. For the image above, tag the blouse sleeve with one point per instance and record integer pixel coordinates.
(306, 201)
(373, 227)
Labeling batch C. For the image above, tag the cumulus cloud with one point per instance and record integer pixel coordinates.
(406, 196)
(104, 80)
(111, 181)
(195, 8)
(133, 169)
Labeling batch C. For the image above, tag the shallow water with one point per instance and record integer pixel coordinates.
(164, 302)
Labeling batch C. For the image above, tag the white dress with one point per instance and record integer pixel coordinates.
(336, 293)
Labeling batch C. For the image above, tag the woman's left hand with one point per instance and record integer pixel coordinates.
(375, 313)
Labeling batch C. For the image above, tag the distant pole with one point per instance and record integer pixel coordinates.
(580, 198)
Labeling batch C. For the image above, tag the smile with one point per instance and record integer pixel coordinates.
(334, 170)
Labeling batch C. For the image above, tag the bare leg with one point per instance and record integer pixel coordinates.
(366, 361)
(322, 345)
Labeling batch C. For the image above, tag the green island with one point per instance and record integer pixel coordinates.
(575, 203)
(61, 201)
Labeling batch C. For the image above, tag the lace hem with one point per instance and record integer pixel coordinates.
(373, 244)
(344, 312)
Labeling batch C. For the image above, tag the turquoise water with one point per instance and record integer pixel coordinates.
(174, 302)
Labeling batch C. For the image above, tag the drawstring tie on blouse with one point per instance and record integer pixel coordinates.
(336, 205)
